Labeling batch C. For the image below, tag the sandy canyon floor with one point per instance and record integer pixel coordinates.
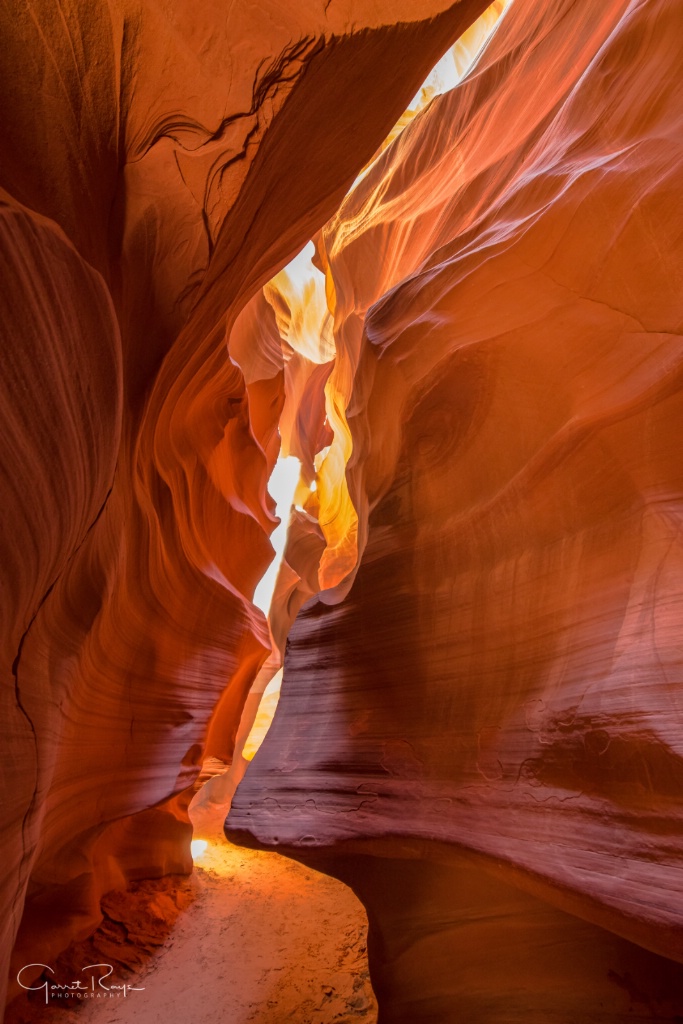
(257, 939)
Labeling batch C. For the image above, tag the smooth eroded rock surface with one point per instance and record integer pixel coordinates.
(159, 164)
(480, 724)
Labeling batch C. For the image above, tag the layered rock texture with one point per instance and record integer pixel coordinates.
(480, 726)
(481, 714)
(159, 164)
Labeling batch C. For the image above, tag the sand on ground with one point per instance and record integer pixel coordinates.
(258, 939)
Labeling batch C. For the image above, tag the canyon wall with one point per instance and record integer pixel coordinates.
(480, 721)
(159, 164)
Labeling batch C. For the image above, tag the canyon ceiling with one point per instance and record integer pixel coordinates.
(481, 721)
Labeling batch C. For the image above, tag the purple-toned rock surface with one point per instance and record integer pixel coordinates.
(160, 162)
(480, 728)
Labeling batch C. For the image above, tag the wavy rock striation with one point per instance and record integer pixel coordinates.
(159, 164)
(480, 723)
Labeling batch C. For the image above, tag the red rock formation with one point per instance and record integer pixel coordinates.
(159, 164)
(480, 727)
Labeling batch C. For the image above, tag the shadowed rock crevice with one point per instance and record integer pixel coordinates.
(479, 727)
(480, 377)
(141, 212)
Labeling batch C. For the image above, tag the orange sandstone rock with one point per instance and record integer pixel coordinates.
(159, 164)
(480, 725)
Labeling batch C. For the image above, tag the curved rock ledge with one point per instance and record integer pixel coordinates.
(480, 726)
(159, 164)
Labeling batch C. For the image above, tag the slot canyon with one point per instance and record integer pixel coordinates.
(342, 506)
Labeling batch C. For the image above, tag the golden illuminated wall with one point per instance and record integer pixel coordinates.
(159, 164)
(479, 730)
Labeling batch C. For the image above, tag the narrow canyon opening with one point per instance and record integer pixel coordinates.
(308, 479)
(342, 511)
